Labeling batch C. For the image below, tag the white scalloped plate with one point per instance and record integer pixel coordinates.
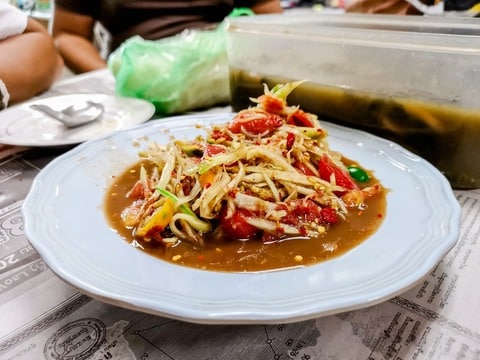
(65, 222)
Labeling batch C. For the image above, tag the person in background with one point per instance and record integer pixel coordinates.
(462, 5)
(74, 22)
(29, 62)
(401, 7)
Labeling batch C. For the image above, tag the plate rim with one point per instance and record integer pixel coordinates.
(249, 315)
(149, 112)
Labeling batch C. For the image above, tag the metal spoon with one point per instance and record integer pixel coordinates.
(73, 116)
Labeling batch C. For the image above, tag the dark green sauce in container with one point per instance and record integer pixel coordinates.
(446, 135)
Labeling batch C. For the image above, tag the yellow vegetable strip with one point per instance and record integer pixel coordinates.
(159, 219)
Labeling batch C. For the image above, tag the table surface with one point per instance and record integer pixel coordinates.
(43, 317)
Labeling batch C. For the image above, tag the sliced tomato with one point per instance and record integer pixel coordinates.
(255, 123)
(212, 150)
(306, 210)
(236, 226)
(300, 211)
(137, 191)
(299, 118)
(272, 104)
(329, 215)
(327, 168)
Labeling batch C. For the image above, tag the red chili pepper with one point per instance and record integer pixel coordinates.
(290, 140)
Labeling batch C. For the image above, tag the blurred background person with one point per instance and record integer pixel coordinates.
(386, 6)
(74, 23)
(29, 62)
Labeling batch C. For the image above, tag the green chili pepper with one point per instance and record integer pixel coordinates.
(358, 174)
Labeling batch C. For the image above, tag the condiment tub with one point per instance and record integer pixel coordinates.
(414, 80)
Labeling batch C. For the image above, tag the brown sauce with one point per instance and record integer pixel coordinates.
(248, 256)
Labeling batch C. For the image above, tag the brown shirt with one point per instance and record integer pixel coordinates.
(153, 19)
(3, 95)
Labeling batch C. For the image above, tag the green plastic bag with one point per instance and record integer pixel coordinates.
(177, 74)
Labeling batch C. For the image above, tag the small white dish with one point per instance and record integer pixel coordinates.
(21, 125)
(422, 224)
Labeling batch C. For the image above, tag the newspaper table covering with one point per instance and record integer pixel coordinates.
(42, 317)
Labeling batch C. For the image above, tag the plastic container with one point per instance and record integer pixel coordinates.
(414, 80)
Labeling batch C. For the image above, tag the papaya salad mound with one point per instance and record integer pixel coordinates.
(262, 192)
